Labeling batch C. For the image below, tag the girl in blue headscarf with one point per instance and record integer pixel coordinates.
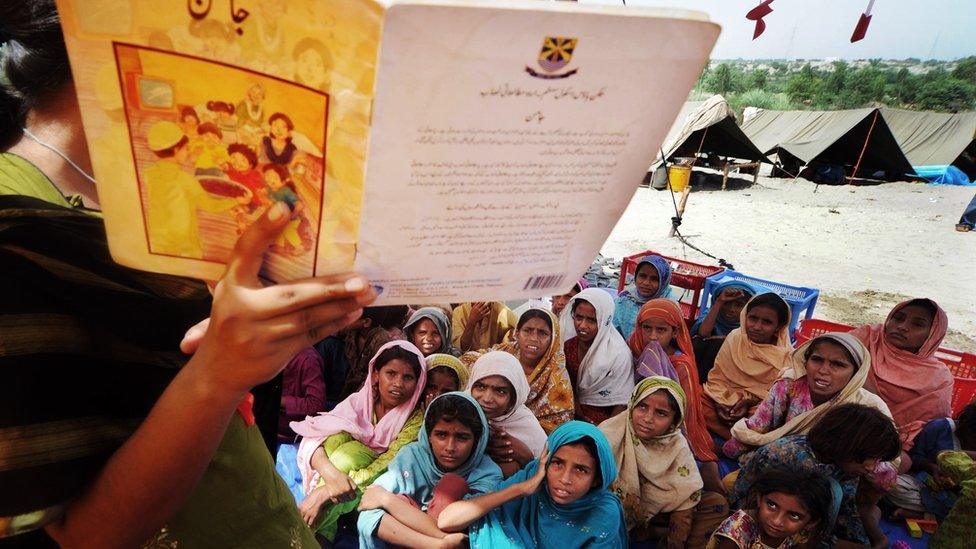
(561, 500)
(717, 321)
(447, 463)
(652, 279)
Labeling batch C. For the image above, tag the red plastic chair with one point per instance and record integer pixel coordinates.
(684, 274)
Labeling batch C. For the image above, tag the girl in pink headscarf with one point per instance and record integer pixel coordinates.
(345, 450)
(915, 385)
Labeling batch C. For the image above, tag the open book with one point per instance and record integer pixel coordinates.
(449, 150)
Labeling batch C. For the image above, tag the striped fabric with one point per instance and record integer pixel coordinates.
(86, 348)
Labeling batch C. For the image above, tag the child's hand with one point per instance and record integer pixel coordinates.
(254, 331)
(451, 541)
(311, 506)
(531, 485)
(375, 497)
(729, 294)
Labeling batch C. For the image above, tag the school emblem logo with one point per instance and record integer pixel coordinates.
(556, 53)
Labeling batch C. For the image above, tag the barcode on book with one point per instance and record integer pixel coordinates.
(543, 282)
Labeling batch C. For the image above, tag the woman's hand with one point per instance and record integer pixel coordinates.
(339, 487)
(740, 409)
(531, 485)
(253, 331)
(312, 505)
(452, 541)
(479, 311)
(729, 294)
(375, 497)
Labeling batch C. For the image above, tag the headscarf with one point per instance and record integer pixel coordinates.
(746, 369)
(654, 361)
(917, 387)
(723, 327)
(853, 392)
(452, 362)
(550, 390)
(519, 422)
(594, 520)
(630, 300)
(354, 415)
(490, 330)
(441, 322)
(684, 367)
(606, 374)
(566, 316)
(654, 477)
(414, 472)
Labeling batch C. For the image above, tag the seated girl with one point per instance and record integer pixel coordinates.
(926, 488)
(658, 481)
(559, 302)
(904, 370)
(480, 325)
(499, 385)
(660, 325)
(447, 463)
(445, 374)
(786, 509)
(430, 330)
(718, 321)
(825, 372)
(598, 360)
(847, 443)
(536, 346)
(652, 279)
(345, 450)
(751, 358)
(561, 500)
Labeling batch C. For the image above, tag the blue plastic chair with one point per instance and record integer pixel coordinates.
(801, 299)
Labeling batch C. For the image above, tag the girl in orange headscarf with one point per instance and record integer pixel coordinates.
(915, 385)
(659, 320)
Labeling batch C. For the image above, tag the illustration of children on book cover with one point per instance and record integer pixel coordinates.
(214, 146)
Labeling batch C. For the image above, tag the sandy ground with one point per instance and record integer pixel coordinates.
(865, 247)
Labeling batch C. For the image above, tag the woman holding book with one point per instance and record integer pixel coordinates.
(92, 349)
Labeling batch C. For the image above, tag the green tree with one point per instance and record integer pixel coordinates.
(803, 85)
(758, 79)
(966, 70)
(721, 80)
(946, 94)
(834, 83)
(905, 86)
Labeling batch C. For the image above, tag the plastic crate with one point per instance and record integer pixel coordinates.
(814, 327)
(802, 300)
(684, 274)
(962, 365)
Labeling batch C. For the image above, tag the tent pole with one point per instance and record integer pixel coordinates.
(680, 210)
(864, 148)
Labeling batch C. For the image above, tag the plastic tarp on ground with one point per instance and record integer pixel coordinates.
(830, 137)
(934, 138)
(944, 175)
(709, 127)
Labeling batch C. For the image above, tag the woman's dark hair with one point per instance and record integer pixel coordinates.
(811, 488)
(533, 313)
(852, 433)
(817, 342)
(33, 62)
(244, 151)
(454, 408)
(446, 370)
(966, 427)
(926, 304)
(284, 118)
(209, 127)
(220, 106)
(576, 304)
(774, 302)
(189, 111)
(589, 445)
(397, 353)
(392, 316)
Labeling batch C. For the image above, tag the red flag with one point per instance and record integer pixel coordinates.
(756, 14)
(862, 23)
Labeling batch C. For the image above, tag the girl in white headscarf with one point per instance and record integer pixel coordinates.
(598, 359)
(499, 385)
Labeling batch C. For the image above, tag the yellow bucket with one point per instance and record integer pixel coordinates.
(679, 176)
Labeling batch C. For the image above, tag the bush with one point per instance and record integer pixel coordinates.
(761, 99)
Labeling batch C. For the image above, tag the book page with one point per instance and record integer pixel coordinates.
(508, 139)
(199, 114)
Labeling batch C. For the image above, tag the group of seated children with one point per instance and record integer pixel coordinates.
(574, 426)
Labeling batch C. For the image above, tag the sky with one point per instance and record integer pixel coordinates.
(819, 29)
